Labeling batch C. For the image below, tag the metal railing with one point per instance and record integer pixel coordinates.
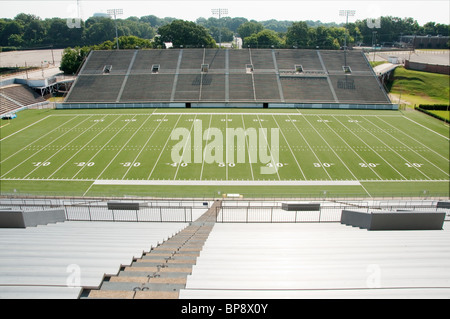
(230, 211)
(148, 214)
(326, 214)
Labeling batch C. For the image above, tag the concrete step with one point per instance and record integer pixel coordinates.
(138, 286)
(161, 272)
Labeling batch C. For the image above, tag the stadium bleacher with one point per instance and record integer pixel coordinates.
(256, 77)
(17, 96)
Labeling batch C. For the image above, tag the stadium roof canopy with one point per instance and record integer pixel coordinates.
(225, 77)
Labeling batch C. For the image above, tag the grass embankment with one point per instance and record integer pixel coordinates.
(416, 87)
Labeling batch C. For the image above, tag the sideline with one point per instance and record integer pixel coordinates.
(428, 128)
(223, 183)
(23, 128)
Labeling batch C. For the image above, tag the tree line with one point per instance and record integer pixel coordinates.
(30, 31)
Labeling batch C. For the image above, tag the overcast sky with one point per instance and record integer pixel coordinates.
(294, 10)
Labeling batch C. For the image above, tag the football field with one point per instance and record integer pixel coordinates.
(208, 152)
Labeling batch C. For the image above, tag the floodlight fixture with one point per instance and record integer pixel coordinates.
(219, 12)
(114, 13)
(346, 13)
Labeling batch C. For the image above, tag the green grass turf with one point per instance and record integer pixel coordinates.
(390, 153)
(443, 114)
(420, 87)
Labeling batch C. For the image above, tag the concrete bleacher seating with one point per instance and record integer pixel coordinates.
(141, 88)
(322, 260)
(287, 59)
(17, 96)
(42, 262)
(226, 76)
(90, 88)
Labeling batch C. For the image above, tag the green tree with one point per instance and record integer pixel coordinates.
(11, 28)
(73, 58)
(248, 28)
(99, 30)
(297, 35)
(187, 34)
(264, 39)
(227, 34)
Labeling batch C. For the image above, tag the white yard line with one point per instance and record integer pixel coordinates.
(379, 177)
(38, 139)
(184, 149)
(86, 144)
(343, 163)
(62, 148)
(43, 148)
(311, 149)
(164, 148)
(413, 150)
(248, 149)
(226, 147)
(271, 155)
(295, 158)
(124, 145)
(148, 140)
(427, 128)
(446, 158)
(23, 128)
(406, 161)
(372, 149)
(104, 145)
(204, 152)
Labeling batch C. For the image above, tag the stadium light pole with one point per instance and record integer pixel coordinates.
(114, 13)
(346, 13)
(219, 12)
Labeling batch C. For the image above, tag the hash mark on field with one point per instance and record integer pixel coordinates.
(124, 145)
(85, 145)
(29, 145)
(351, 149)
(204, 152)
(127, 122)
(43, 148)
(63, 148)
(372, 148)
(248, 149)
(104, 145)
(274, 163)
(295, 158)
(184, 149)
(397, 130)
(310, 148)
(390, 148)
(164, 148)
(411, 151)
(337, 156)
(148, 140)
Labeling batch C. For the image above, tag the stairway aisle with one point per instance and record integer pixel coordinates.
(163, 271)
